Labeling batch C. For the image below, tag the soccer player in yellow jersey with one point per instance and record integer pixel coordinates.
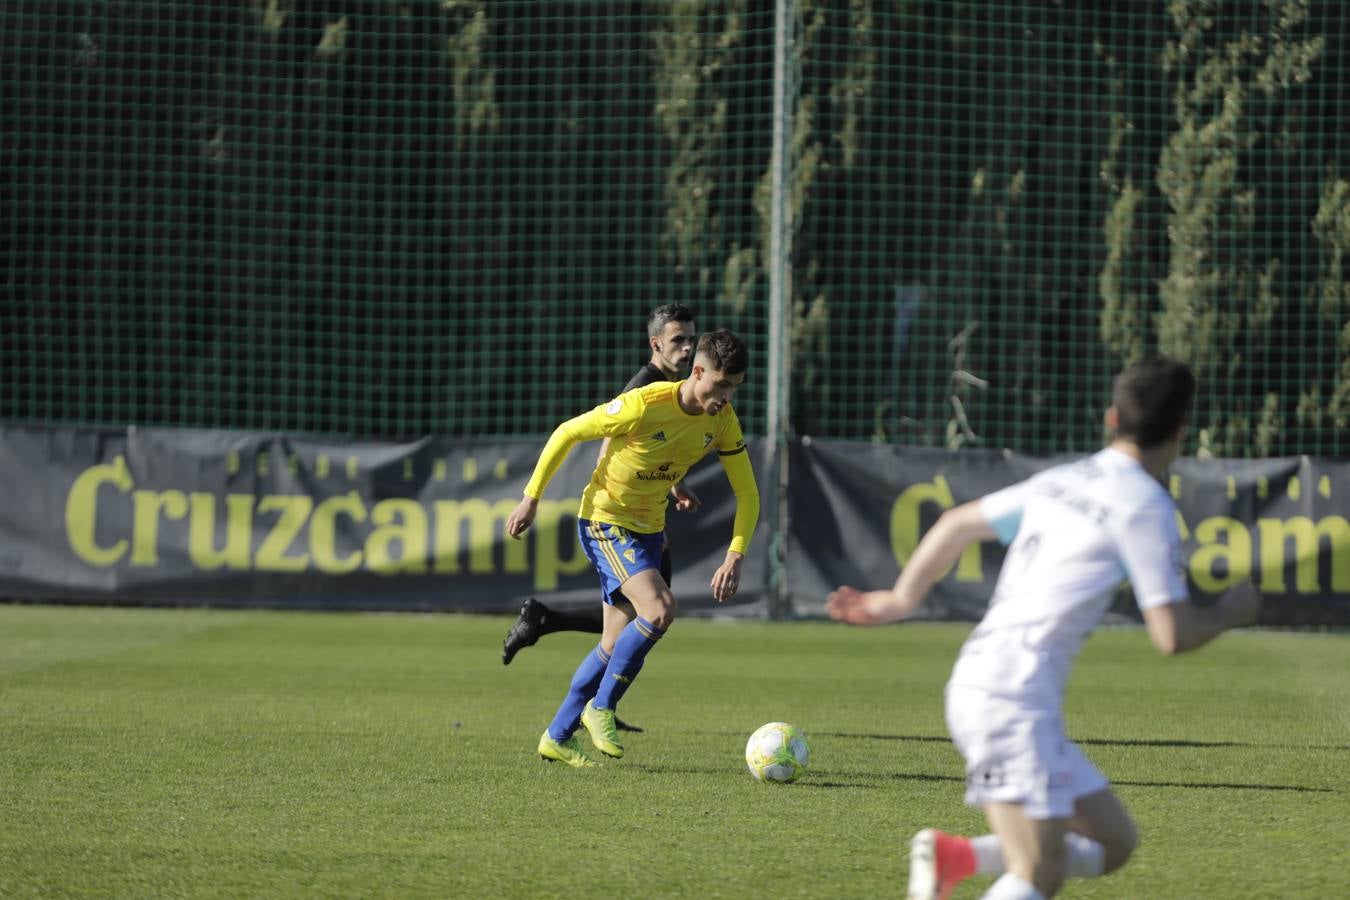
(656, 433)
(671, 339)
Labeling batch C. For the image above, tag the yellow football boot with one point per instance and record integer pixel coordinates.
(599, 724)
(568, 751)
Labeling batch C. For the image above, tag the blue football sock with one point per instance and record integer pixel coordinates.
(629, 651)
(584, 682)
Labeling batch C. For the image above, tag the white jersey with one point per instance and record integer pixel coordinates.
(1076, 531)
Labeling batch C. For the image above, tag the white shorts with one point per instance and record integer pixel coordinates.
(1018, 754)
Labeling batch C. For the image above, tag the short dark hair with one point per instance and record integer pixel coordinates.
(670, 312)
(725, 352)
(1153, 398)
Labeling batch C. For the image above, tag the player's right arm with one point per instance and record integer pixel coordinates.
(939, 549)
(619, 416)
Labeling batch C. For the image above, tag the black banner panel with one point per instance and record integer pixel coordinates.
(858, 510)
(227, 518)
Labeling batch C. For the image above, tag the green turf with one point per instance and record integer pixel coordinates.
(168, 753)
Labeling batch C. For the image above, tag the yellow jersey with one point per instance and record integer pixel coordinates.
(653, 444)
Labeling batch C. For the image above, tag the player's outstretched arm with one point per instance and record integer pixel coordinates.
(848, 604)
(585, 427)
(1180, 626)
(940, 548)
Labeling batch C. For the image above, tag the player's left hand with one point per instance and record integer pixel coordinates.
(685, 498)
(727, 579)
(522, 517)
(848, 604)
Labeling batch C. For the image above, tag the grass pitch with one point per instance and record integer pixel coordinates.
(195, 753)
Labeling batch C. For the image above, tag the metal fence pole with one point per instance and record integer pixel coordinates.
(780, 305)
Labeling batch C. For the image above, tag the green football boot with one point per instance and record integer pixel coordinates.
(568, 751)
(599, 724)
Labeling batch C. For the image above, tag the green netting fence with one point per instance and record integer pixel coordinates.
(389, 219)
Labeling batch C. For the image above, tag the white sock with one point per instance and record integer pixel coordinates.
(1010, 887)
(1087, 858)
(988, 854)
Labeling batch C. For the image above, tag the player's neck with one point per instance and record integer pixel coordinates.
(1155, 460)
(670, 374)
(685, 398)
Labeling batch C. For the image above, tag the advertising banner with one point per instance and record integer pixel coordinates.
(858, 510)
(227, 518)
(224, 518)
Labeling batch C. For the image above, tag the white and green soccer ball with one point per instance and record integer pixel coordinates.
(777, 752)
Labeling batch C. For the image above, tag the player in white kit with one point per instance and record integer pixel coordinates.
(1074, 533)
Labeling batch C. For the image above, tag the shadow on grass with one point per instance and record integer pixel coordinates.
(813, 779)
(1100, 742)
(872, 780)
(1221, 786)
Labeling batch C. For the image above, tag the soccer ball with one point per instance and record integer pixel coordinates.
(777, 752)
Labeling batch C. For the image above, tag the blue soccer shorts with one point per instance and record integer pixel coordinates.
(618, 554)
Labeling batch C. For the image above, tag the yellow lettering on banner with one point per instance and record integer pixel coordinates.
(408, 471)
(1184, 531)
(294, 510)
(467, 533)
(232, 462)
(500, 471)
(905, 526)
(260, 464)
(1221, 538)
(445, 552)
(1307, 537)
(1174, 487)
(483, 536)
(146, 507)
(402, 521)
(548, 563)
(238, 531)
(323, 533)
(82, 512)
(485, 525)
(293, 464)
